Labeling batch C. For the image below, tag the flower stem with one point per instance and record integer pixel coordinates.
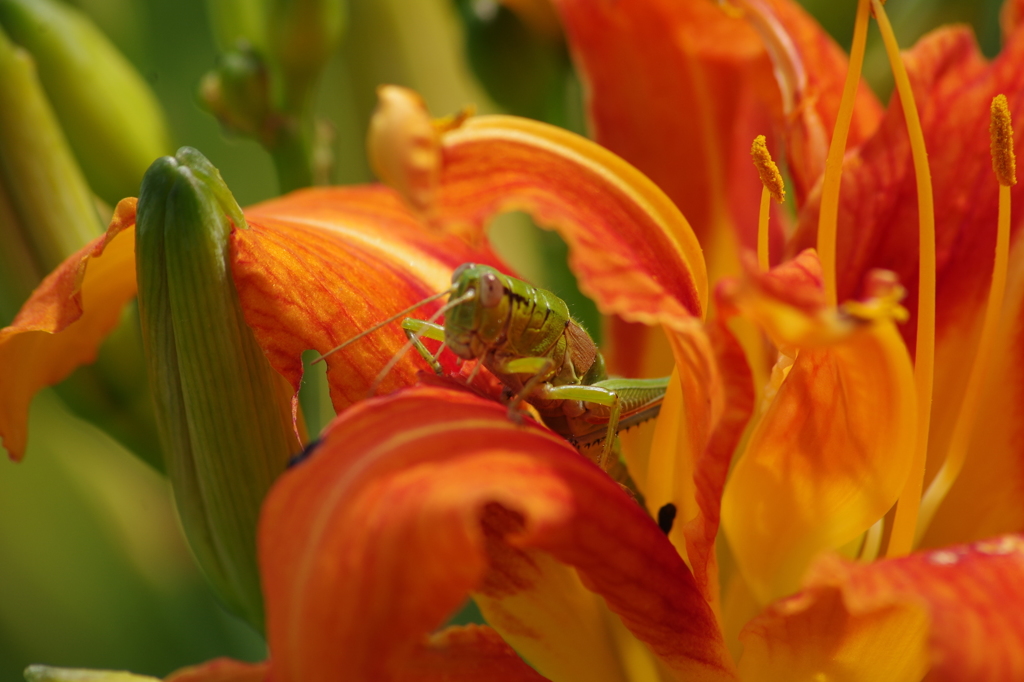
(828, 214)
(290, 153)
(905, 521)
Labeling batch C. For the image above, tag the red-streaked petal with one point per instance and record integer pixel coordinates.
(953, 610)
(878, 220)
(666, 80)
(663, 81)
(828, 458)
(466, 654)
(1010, 17)
(797, 282)
(377, 538)
(631, 249)
(878, 227)
(691, 454)
(814, 71)
(319, 266)
(82, 298)
(711, 467)
(985, 500)
(221, 670)
(787, 302)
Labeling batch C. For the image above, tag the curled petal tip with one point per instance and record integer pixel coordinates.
(404, 145)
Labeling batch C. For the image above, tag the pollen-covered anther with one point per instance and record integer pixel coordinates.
(771, 178)
(1001, 132)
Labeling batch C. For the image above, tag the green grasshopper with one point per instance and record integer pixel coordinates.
(526, 338)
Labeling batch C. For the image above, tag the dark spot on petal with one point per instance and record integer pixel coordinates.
(666, 516)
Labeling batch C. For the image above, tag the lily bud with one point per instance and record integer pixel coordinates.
(224, 415)
(237, 92)
(111, 117)
(301, 36)
(46, 209)
(237, 21)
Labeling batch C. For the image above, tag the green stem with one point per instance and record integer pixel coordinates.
(291, 155)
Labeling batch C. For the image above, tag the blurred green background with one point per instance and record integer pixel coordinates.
(93, 569)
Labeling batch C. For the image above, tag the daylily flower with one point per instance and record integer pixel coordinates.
(414, 500)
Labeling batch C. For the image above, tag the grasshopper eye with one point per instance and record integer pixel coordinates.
(459, 271)
(491, 291)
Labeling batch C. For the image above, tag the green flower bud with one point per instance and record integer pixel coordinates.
(235, 21)
(45, 673)
(224, 415)
(46, 209)
(111, 117)
(301, 36)
(237, 92)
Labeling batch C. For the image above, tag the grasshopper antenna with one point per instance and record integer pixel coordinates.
(468, 296)
(388, 321)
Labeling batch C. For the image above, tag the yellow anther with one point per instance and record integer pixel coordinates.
(1001, 132)
(771, 178)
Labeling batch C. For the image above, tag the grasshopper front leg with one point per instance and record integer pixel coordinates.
(537, 367)
(420, 329)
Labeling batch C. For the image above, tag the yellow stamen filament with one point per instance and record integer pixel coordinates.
(828, 214)
(905, 521)
(872, 541)
(762, 231)
(1004, 166)
(772, 186)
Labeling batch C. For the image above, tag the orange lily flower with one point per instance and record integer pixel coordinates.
(412, 501)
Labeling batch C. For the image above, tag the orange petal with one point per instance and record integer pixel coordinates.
(380, 535)
(878, 222)
(831, 451)
(466, 654)
(951, 610)
(1010, 18)
(787, 302)
(83, 299)
(985, 499)
(692, 454)
(666, 80)
(711, 467)
(811, 70)
(319, 266)
(631, 249)
(221, 670)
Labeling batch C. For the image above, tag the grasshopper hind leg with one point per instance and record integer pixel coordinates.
(591, 394)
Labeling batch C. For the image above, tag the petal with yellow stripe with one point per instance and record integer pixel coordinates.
(62, 324)
(945, 612)
(376, 538)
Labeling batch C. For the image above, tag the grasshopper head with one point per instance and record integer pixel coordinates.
(473, 326)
